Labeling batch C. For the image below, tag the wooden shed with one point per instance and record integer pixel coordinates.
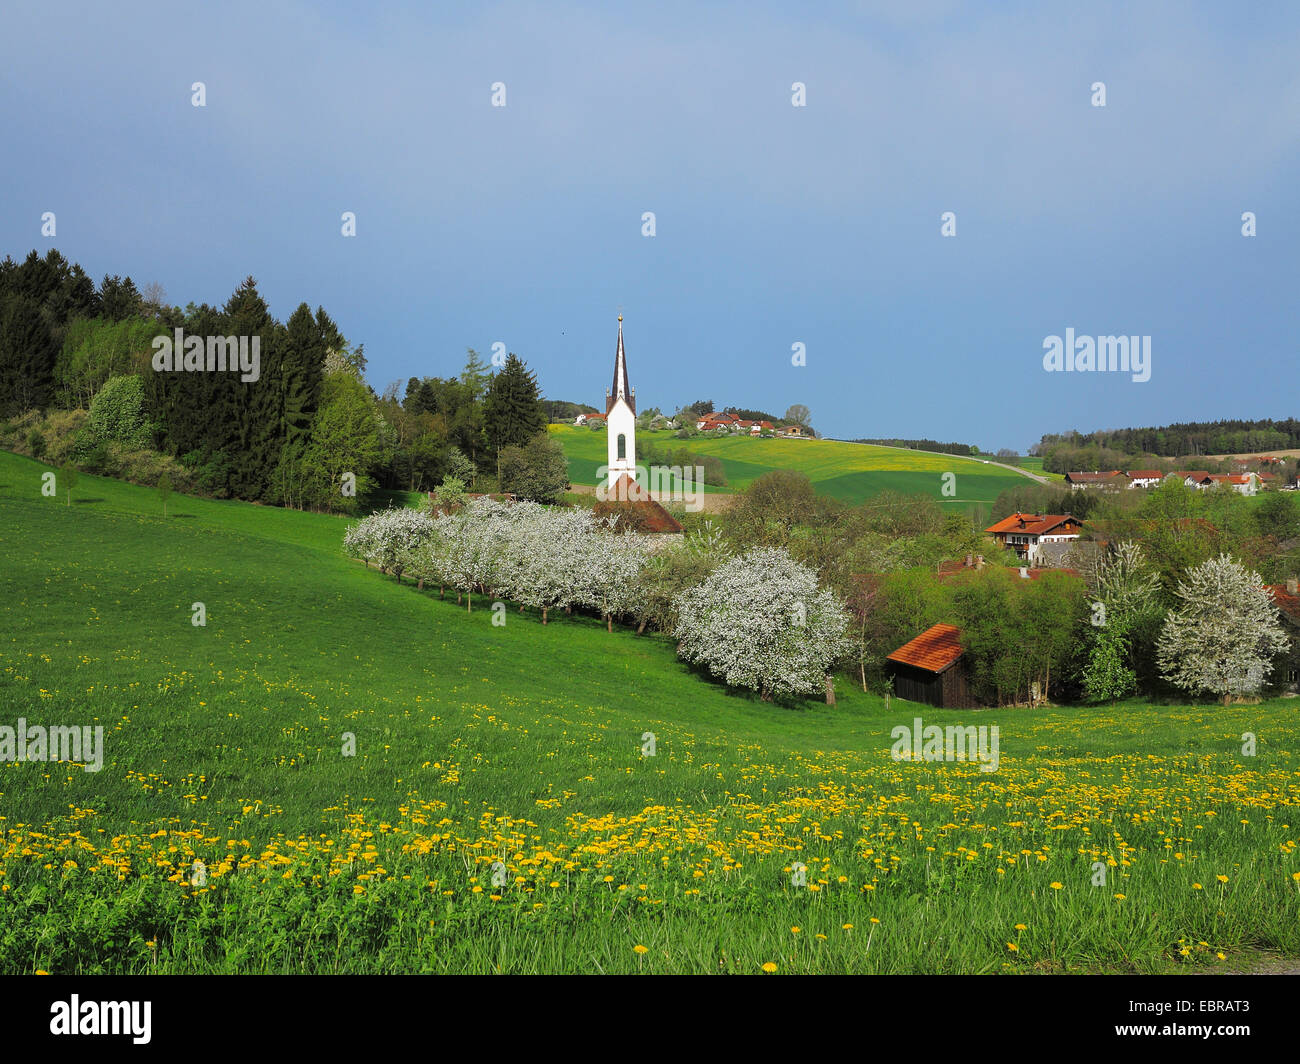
(931, 669)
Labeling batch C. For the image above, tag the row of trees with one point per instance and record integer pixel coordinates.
(1181, 440)
(758, 620)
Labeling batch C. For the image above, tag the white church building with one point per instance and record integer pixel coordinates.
(620, 419)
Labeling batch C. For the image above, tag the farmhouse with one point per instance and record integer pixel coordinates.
(931, 669)
(1024, 533)
(1144, 478)
(716, 421)
(1108, 481)
(1243, 483)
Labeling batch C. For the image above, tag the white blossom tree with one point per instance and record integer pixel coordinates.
(1225, 633)
(762, 621)
(612, 562)
(392, 538)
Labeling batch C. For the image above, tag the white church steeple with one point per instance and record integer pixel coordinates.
(620, 414)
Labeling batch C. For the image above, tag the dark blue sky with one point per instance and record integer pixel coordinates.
(775, 224)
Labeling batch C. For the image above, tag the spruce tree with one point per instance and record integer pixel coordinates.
(512, 413)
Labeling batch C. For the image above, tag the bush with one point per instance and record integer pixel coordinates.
(117, 415)
(35, 443)
(62, 430)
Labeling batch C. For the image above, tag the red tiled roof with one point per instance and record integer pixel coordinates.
(1031, 524)
(934, 650)
(1093, 478)
(1197, 474)
(1146, 474)
(1286, 601)
(626, 494)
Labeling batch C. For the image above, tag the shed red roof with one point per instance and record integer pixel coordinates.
(934, 650)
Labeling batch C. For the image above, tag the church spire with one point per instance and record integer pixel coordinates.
(621, 389)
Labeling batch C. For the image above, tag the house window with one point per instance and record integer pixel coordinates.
(622, 446)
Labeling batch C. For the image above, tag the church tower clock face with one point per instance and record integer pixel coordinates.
(620, 419)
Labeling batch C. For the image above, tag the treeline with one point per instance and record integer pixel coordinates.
(648, 453)
(82, 379)
(1181, 440)
(964, 449)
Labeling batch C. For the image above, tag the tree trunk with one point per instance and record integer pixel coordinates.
(544, 609)
(420, 585)
(609, 622)
(469, 602)
(830, 689)
(442, 591)
(862, 665)
(457, 598)
(640, 627)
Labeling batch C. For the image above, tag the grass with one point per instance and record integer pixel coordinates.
(522, 744)
(851, 472)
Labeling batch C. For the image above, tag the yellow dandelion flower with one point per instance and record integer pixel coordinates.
(1013, 947)
(769, 967)
(1222, 879)
(1055, 886)
(640, 949)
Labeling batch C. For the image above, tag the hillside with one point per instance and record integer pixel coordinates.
(850, 472)
(522, 744)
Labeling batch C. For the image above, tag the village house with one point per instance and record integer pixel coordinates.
(1144, 478)
(710, 422)
(1108, 481)
(1243, 483)
(1192, 478)
(1024, 533)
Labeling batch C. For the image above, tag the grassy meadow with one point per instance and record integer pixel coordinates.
(850, 472)
(497, 814)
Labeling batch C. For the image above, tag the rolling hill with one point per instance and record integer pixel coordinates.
(341, 773)
(851, 472)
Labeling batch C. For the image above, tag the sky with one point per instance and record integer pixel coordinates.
(774, 224)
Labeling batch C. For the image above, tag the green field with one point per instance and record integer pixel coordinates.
(851, 472)
(522, 745)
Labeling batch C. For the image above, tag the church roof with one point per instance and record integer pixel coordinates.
(626, 495)
(621, 389)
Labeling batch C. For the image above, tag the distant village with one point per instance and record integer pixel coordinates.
(717, 423)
